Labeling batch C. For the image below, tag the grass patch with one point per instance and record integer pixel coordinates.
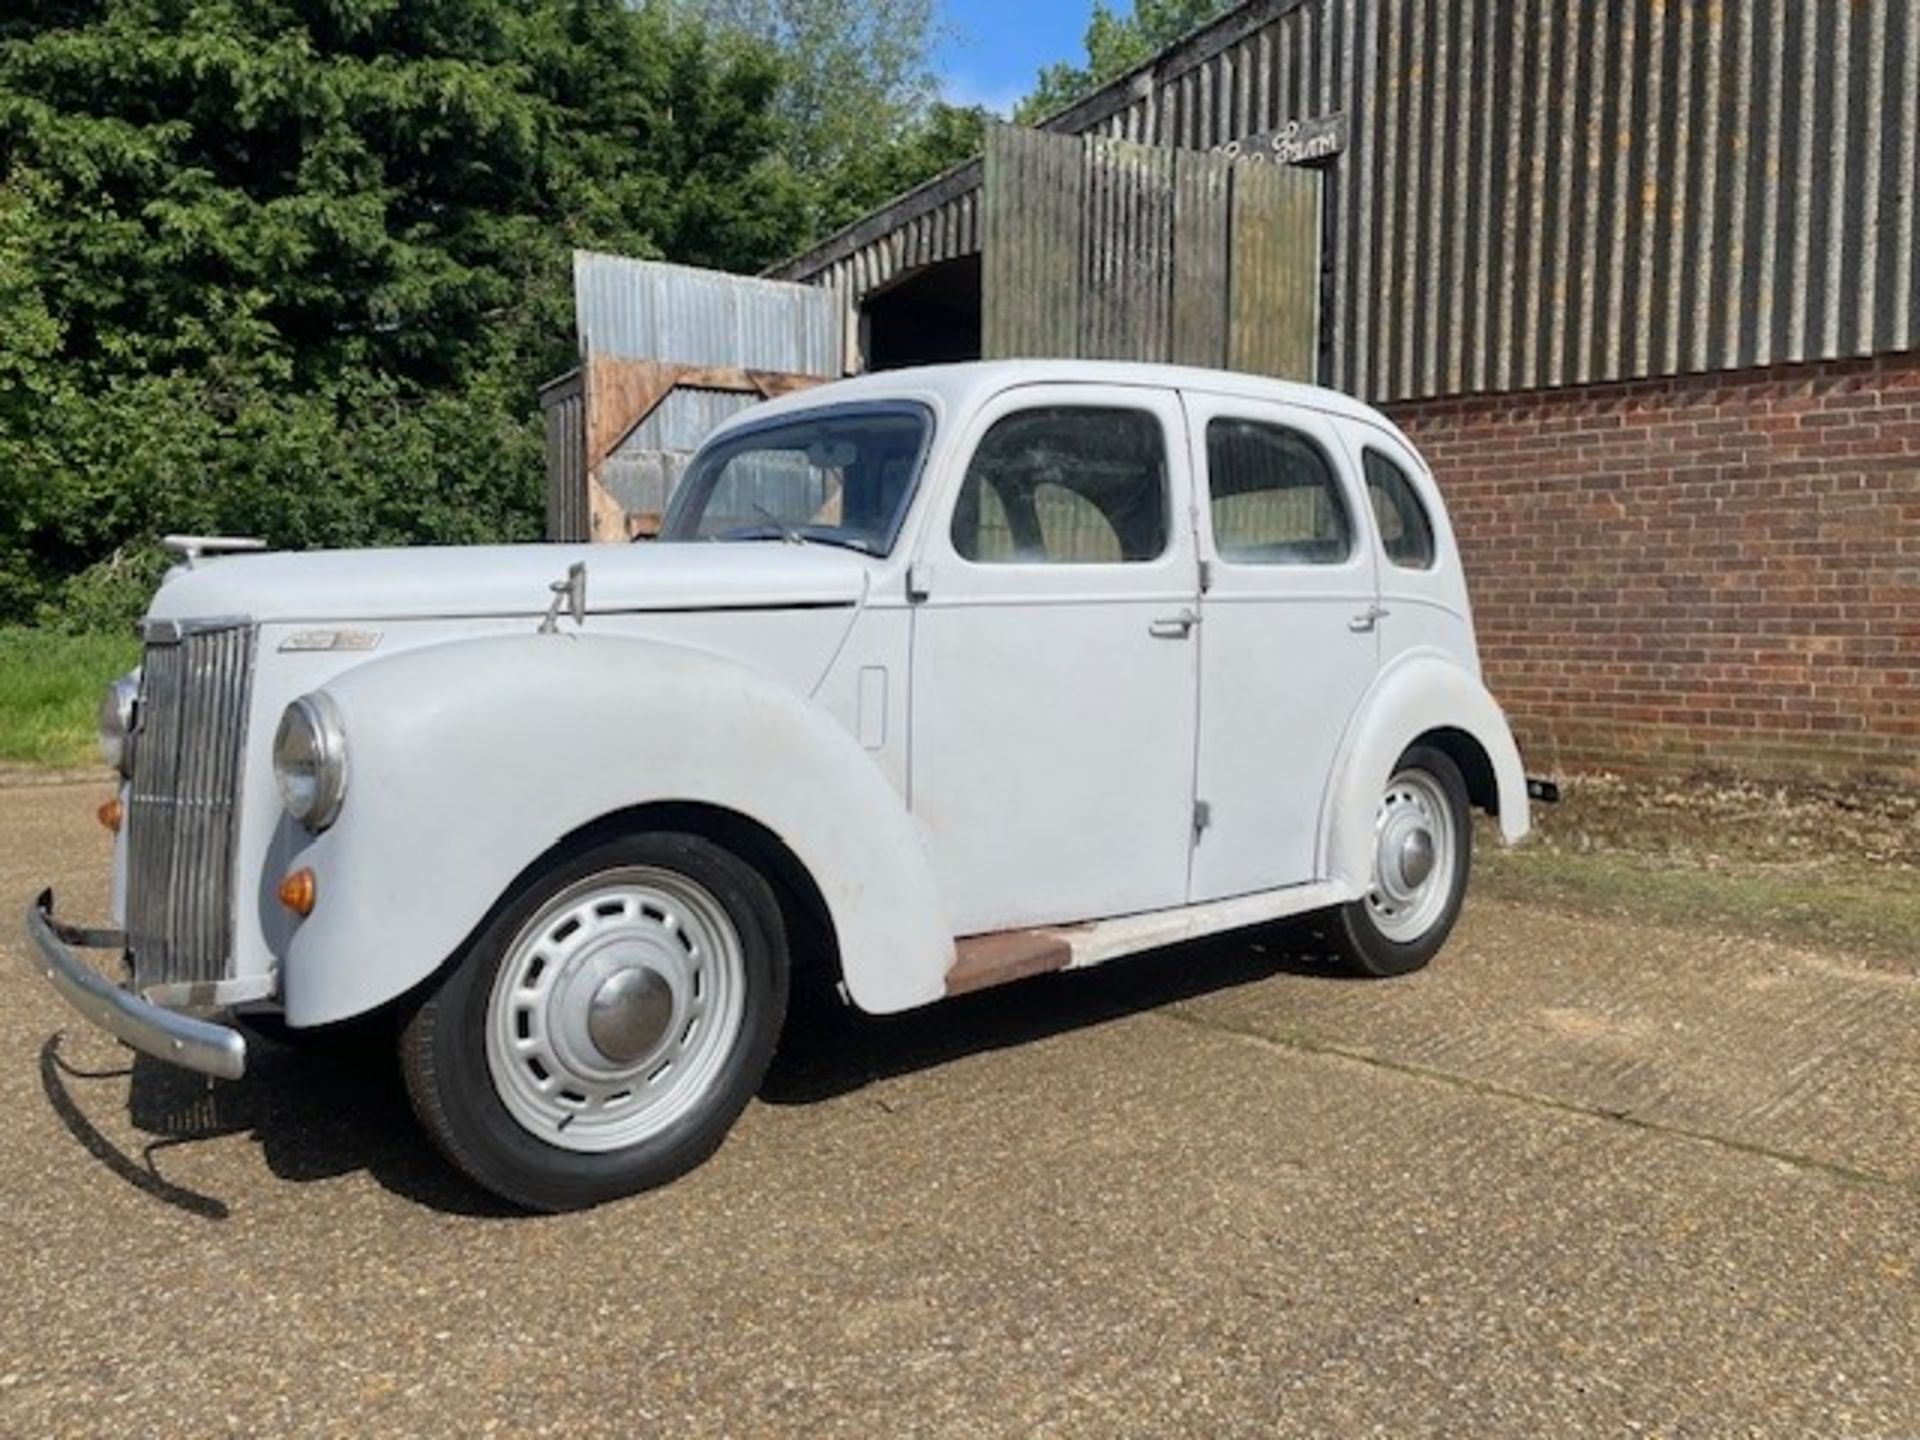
(50, 687)
(1865, 910)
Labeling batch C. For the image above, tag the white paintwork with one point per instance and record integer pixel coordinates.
(369, 587)
(1130, 934)
(1426, 609)
(1281, 675)
(475, 757)
(1007, 746)
(1053, 733)
(1421, 691)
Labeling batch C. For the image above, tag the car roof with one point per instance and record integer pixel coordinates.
(956, 388)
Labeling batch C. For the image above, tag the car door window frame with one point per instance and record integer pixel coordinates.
(1369, 450)
(1023, 516)
(938, 563)
(1355, 534)
(1202, 409)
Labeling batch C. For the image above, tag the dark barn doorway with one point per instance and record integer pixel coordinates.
(929, 316)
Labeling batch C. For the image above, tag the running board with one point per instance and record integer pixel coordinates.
(1001, 956)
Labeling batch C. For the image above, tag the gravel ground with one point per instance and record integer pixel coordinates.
(1582, 1175)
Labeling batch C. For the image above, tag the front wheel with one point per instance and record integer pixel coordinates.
(1422, 850)
(607, 1026)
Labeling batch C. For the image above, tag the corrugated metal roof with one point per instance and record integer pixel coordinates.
(1548, 192)
(647, 310)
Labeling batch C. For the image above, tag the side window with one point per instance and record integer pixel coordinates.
(1065, 485)
(1405, 530)
(1274, 497)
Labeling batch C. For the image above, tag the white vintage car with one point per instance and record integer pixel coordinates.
(938, 677)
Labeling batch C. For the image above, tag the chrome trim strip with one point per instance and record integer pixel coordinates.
(194, 1044)
(172, 632)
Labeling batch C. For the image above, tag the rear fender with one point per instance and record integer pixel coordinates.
(1421, 691)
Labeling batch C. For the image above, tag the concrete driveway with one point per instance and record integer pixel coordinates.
(1580, 1176)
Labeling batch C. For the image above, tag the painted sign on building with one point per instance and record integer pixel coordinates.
(1298, 142)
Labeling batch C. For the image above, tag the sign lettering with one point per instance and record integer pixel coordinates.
(1298, 142)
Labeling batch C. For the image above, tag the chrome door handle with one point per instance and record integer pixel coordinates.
(1173, 627)
(1367, 619)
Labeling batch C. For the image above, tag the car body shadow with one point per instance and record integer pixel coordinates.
(830, 1049)
(316, 1114)
(320, 1112)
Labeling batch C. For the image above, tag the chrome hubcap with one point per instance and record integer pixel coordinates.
(1415, 860)
(629, 1014)
(615, 1008)
(1413, 857)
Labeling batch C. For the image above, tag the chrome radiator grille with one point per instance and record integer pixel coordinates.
(189, 736)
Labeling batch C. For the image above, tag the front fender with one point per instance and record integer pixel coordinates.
(1421, 691)
(471, 759)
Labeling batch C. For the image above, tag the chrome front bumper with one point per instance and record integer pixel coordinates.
(184, 1040)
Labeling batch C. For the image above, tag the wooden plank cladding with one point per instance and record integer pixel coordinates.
(1102, 249)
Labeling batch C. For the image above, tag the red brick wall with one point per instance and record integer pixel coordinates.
(1718, 572)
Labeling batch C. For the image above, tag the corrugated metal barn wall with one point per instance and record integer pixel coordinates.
(1549, 192)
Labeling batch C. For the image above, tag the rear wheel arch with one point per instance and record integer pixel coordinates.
(1476, 766)
(1423, 698)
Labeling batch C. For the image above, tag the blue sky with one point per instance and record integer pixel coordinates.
(994, 48)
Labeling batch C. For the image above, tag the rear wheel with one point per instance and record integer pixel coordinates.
(607, 1026)
(1422, 851)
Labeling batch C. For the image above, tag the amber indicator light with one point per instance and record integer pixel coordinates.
(296, 892)
(111, 813)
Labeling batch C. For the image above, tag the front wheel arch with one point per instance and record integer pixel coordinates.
(803, 909)
(813, 944)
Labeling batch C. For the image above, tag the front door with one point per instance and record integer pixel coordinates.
(1055, 667)
(1288, 638)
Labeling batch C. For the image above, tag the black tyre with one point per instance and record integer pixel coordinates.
(1422, 852)
(607, 1024)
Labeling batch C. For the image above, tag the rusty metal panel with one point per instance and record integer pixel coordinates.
(1273, 259)
(614, 447)
(1033, 237)
(645, 466)
(1109, 250)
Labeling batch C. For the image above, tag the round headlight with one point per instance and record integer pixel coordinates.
(116, 722)
(310, 760)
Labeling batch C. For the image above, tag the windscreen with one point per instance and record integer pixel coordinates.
(840, 476)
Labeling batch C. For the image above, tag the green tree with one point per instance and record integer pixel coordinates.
(296, 267)
(860, 123)
(1115, 44)
(944, 136)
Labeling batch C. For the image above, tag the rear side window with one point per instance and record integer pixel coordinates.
(1405, 530)
(1274, 497)
(1065, 485)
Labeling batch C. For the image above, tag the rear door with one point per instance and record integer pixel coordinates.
(1288, 635)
